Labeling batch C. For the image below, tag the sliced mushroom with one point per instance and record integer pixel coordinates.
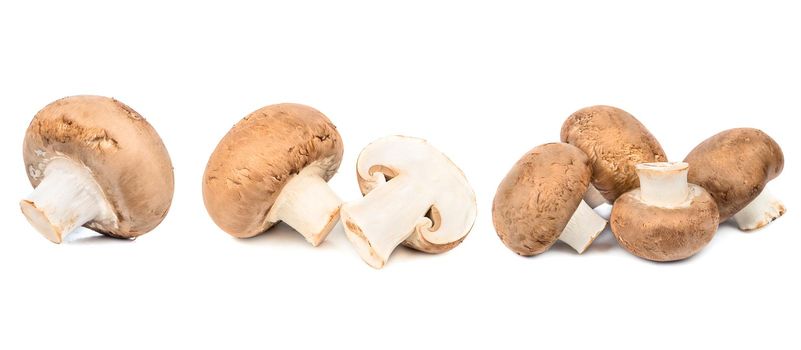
(666, 219)
(95, 162)
(274, 166)
(539, 201)
(413, 195)
(735, 167)
(615, 141)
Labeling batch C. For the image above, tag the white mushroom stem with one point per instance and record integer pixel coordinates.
(664, 184)
(593, 197)
(583, 227)
(67, 197)
(760, 212)
(385, 217)
(308, 205)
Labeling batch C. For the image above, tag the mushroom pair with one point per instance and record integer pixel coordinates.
(274, 166)
(95, 162)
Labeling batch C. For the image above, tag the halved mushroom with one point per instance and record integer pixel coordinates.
(413, 195)
(95, 162)
(735, 167)
(274, 166)
(666, 219)
(615, 141)
(539, 201)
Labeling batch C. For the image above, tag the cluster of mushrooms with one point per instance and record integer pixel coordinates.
(662, 211)
(95, 162)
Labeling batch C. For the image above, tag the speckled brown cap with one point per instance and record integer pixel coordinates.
(538, 196)
(615, 141)
(734, 166)
(253, 162)
(664, 234)
(124, 153)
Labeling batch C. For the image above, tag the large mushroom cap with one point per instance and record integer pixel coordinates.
(124, 153)
(664, 234)
(453, 203)
(539, 195)
(734, 166)
(615, 141)
(257, 157)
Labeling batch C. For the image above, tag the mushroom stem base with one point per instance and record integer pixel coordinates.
(761, 211)
(308, 205)
(67, 197)
(584, 226)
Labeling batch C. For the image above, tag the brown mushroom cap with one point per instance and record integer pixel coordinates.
(538, 196)
(664, 234)
(125, 154)
(734, 166)
(615, 141)
(253, 162)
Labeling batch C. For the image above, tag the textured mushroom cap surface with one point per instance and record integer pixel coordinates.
(257, 157)
(615, 141)
(124, 153)
(734, 166)
(664, 234)
(538, 196)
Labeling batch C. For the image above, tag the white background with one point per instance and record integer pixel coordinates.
(482, 82)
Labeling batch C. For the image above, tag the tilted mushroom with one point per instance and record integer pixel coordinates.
(413, 195)
(735, 167)
(95, 162)
(273, 166)
(666, 219)
(539, 201)
(615, 141)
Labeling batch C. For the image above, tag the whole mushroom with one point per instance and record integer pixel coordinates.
(667, 218)
(413, 195)
(95, 162)
(616, 142)
(735, 167)
(540, 201)
(273, 166)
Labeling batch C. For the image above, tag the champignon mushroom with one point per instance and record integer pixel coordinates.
(615, 141)
(95, 162)
(735, 167)
(413, 195)
(539, 201)
(273, 166)
(666, 219)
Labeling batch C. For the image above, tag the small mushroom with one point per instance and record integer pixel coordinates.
(539, 201)
(413, 195)
(735, 167)
(95, 162)
(615, 141)
(666, 219)
(273, 166)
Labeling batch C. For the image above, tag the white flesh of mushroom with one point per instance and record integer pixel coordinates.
(664, 184)
(760, 212)
(593, 197)
(583, 228)
(67, 197)
(394, 211)
(307, 203)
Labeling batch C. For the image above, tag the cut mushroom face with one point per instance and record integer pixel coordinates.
(274, 166)
(666, 219)
(540, 201)
(414, 195)
(95, 162)
(735, 167)
(615, 141)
